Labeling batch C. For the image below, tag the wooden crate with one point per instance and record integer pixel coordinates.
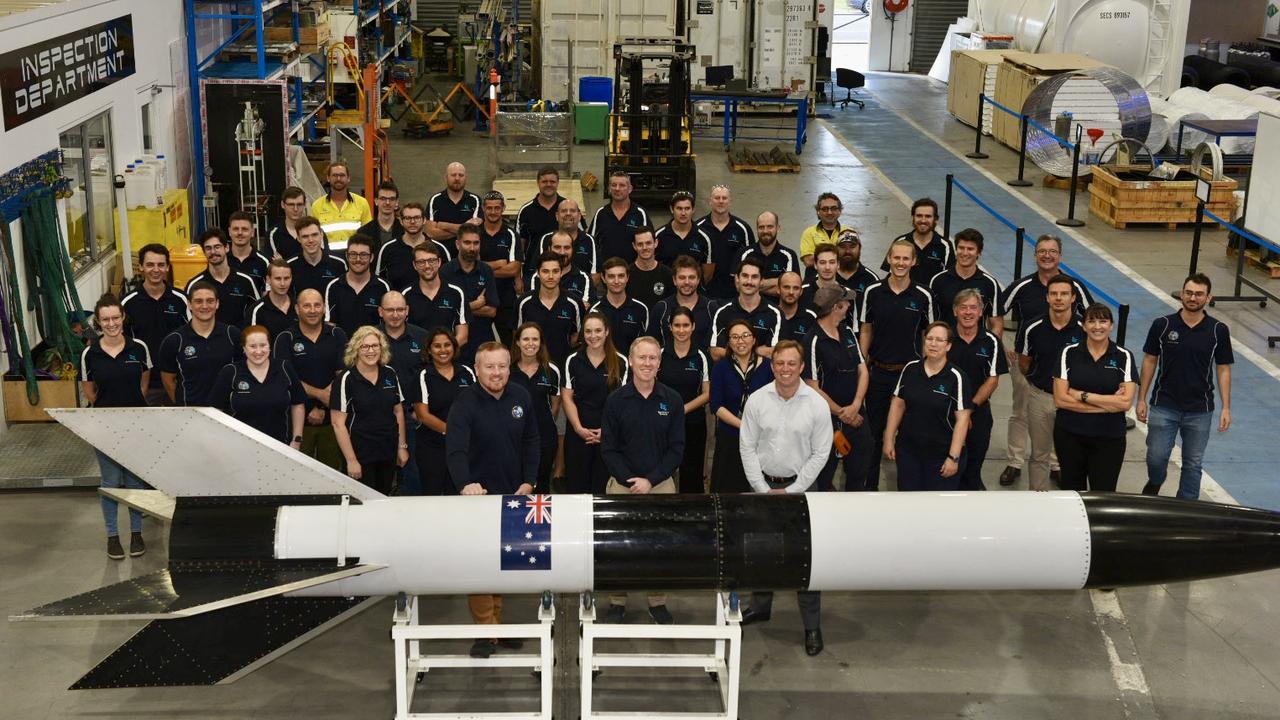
(1171, 218)
(312, 39)
(973, 73)
(1119, 201)
(1018, 75)
(53, 394)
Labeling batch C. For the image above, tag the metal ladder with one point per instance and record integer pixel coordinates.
(1158, 47)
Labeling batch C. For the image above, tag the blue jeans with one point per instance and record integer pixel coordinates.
(115, 476)
(1163, 427)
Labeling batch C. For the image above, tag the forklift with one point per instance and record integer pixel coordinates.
(651, 126)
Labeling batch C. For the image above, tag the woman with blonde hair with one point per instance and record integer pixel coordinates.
(366, 405)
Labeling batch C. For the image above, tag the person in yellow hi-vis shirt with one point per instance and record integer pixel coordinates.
(340, 212)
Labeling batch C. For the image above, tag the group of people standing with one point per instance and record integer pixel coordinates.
(449, 351)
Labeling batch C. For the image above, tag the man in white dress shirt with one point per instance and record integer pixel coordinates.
(785, 441)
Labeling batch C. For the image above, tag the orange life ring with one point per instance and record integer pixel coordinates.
(895, 6)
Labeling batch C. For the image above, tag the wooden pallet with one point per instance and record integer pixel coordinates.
(1255, 259)
(1064, 183)
(741, 167)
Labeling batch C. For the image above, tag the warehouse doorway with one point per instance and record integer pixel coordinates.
(851, 36)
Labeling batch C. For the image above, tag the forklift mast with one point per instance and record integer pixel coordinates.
(650, 128)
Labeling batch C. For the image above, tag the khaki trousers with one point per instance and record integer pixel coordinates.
(1041, 413)
(666, 487)
(485, 609)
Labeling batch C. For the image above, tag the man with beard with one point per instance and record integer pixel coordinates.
(687, 273)
(154, 310)
(395, 257)
(452, 207)
(934, 253)
(352, 299)
(569, 222)
(614, 224)
(432, 302)
(730, 235)
(773, 256)
(340, 211)
(315, 349)
(764, 319)
(478, 285)
(237, 292)
(538, 216)
(797, 321)
(502, 251)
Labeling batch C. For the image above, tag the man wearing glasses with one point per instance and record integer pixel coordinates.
(340, 211)
(352, 299)
(395, 257)
(827, 230)
(432, 302)
(1182, 353)
(385, 226)
(1027, 299)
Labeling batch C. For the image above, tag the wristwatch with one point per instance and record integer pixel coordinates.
(954, 459)
(297, 438)
(404, 446)
(1084, 398)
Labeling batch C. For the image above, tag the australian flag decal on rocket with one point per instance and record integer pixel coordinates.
(526, 532)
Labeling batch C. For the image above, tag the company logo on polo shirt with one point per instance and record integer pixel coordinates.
(564, 314)
(370, 302)
(298, 347)
(659, 288)
(242, 385)
(444, 302)
(414, 346)
(691, 364)
(629, 318)
(776, 267)
(1111, 363)
(982, 352)
(1173, 336)
(189, 351)
(463, 381)
(801, 328)
(328, 273)
(170, 308)
(1074, 339)
(913, 306)
(237, 292)
(663, 409)
(760, 322)
(388, 383)
(517, 412)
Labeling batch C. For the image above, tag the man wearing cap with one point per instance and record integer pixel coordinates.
(838, 372)
(784, 442)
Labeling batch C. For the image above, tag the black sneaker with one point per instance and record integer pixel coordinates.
(114, 549)
(1010, 475)
(614, 614)
(136, 546)
(661, 615)
(1150, 489)
(482, 648)
(510, 643)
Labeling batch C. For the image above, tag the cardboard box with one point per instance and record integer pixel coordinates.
(53, 394)
(973, 72)
(1018, 75)
(311, 38)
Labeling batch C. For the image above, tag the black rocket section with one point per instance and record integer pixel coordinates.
(701, 542)
(1139, 540)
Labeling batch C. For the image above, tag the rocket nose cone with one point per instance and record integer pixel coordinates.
(1140, 540)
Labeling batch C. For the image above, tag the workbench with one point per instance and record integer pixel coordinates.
(732, 99)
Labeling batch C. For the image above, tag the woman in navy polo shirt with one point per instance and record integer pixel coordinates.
(263, 393)
(438, 384)
(114, 372)
(590, 374)
(536, 373)
(733, 378)
(931, 405)
(687, 370)
(366, 408)
(1093, 387)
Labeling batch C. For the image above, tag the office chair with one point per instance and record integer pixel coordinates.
(850, 80)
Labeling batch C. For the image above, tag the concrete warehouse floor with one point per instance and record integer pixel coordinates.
(1184, 651)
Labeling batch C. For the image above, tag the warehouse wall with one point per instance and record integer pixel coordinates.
(1225, 20)
(159, 55)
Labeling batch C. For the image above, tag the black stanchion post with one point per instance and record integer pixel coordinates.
(977, 153)
(1195, 244)
(1122, 325)
(946, 208)
(1070, 220)
(1020, 181)
(1019, 237)
(1239, 285)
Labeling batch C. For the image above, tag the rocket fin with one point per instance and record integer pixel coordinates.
(218, 646)
(150, 502)
(190, 589)
(199, 451)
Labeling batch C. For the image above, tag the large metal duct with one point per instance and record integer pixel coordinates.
(1174, 115)
(1218, 107)
(1118, 107)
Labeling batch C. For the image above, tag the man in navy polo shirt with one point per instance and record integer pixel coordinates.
(765, 319)
(585, 250)
(934, 253)
(242, 255)
(478, 285)
(237, 292)
(190, 357)
(1039, 347)
(627, 316)
(1183, 352)
(352, 298)
(774, 257)
(687, 273)
(538, 216)
(614, 224)
(432, 302)
(557, 313)
(642, 443)
(315, 267)
(730, 235)
(154, 310)
(492, 448)
(502, 251)
(452, 207)
(407, 343)
(315, 349)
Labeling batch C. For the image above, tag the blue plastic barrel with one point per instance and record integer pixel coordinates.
(595, 89)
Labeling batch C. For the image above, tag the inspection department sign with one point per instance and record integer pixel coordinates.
(41, 78)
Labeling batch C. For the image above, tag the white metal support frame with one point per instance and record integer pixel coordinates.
(723, 662)
(411, 663)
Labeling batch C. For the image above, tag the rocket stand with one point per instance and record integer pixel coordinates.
(412, 664)
(723, 663)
